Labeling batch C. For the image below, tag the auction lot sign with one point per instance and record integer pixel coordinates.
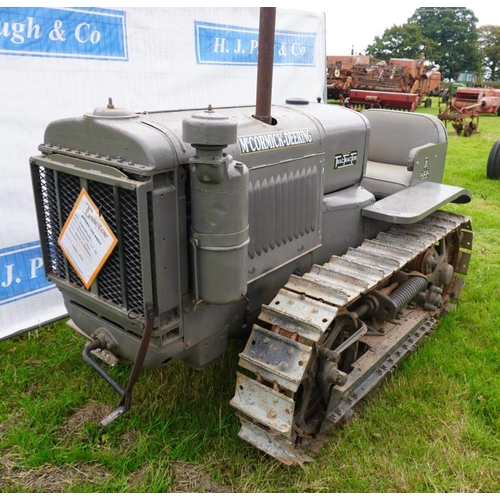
(62, 62)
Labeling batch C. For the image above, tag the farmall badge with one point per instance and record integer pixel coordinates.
(86, 239)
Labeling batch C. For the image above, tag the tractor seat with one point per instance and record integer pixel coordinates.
(405, 148)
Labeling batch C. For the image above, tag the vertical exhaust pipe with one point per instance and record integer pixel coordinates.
(265, 62)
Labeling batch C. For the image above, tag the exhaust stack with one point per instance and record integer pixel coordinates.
(267, 22)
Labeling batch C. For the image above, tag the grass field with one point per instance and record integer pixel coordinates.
(434, 426)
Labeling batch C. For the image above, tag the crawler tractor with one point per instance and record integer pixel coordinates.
(316, 231)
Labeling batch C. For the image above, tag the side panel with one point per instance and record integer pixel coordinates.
(285, 213)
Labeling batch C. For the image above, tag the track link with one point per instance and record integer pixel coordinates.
(311, 357)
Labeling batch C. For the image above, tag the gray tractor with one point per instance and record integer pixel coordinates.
(315, 232)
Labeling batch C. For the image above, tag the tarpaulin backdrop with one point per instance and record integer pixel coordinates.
(63, 62)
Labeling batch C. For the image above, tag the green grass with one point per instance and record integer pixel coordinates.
(433, 427)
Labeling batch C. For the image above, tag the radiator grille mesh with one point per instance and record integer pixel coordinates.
(120, 279)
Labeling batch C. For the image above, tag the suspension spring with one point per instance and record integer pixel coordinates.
(408, 290)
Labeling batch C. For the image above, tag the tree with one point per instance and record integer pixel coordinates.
(447, 35)
(456, 36)
(489, 42)
(406, 41)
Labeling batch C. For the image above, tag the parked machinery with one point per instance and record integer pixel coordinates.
(339, 74)
(221, 224)
(467, 105)
(400, 84)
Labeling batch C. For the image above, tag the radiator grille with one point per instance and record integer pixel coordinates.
(120, 279)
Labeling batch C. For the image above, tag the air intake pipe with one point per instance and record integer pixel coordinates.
(219, 209)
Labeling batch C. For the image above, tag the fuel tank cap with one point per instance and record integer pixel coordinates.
(296, 100)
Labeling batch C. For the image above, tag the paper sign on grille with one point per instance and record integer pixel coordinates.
(86, 239)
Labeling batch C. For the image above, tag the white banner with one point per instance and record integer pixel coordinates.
(62, 62)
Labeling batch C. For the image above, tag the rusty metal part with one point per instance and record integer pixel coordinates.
(315, 361)
(484, 100)
(404, 101)
(359, 82)
(465, 108)
(100, 341)
(464, 120)
(265, 64)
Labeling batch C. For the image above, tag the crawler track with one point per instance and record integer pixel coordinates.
(331, 336)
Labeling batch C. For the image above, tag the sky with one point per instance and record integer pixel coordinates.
(360, 25)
